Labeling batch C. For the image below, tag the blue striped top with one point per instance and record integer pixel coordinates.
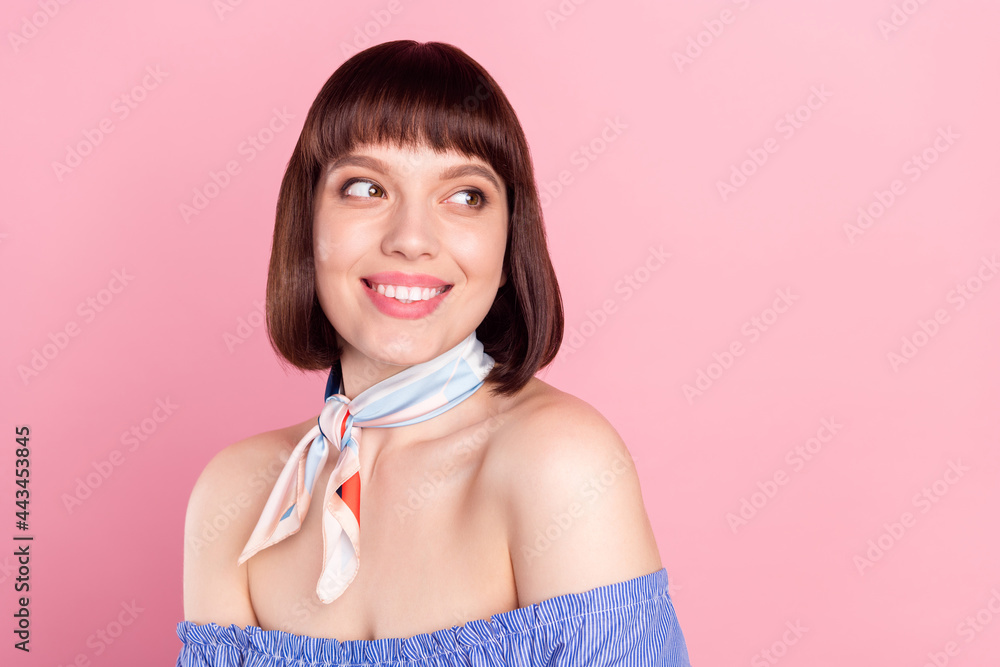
(622, 624)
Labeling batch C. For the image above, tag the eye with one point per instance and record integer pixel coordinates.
(358, 187)
(470, 198)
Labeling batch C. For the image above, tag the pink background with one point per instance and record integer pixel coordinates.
(682, 127)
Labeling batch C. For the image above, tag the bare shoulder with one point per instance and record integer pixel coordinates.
(571, 421)
(223, 508)
(576, 518)
(546, 434)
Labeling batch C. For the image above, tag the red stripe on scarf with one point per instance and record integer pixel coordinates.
(350, 491)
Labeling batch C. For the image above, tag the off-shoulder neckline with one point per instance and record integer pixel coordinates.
(643, 589)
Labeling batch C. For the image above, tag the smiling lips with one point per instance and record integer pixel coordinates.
(403, 295)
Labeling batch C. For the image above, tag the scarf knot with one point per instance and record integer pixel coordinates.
(348, 421)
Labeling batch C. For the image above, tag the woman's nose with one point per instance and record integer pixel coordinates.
(411, 231)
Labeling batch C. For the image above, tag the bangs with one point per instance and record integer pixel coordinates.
(413, 94)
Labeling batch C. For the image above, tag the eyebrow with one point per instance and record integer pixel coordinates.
(461, 170)
(458, 171)
(357, 161)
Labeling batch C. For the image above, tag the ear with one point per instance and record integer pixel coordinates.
(503, 278)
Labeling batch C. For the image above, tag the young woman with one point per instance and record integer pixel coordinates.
(446, 507)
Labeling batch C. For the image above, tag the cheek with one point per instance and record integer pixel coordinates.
(330, 262)
(331, 234)
(483, 251)
(330, 245)
(497, 252)
(320, 241)
(321, 251)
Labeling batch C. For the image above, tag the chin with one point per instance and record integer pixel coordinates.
(404, 348)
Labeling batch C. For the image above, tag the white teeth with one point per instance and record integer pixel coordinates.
(405, 294)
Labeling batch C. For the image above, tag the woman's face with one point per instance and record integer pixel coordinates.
(432, 223)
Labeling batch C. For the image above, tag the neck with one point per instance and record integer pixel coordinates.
(363, 373)
(360, 373)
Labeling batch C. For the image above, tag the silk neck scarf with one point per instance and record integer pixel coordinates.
(411, 396)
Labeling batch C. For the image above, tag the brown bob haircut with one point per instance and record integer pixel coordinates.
(405, 93)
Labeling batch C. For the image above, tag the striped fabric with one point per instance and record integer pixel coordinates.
(413, 395)
(625, 624)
